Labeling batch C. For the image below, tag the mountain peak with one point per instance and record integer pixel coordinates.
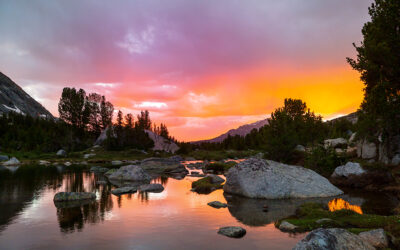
(242, 131)
(14, 99)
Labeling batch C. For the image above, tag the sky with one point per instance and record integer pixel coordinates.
(201, 67)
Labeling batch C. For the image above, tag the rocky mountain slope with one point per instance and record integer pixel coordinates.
(242, 131)
(14, 98)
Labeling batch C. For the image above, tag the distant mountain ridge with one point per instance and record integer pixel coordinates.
(242, 131)
(14, 98)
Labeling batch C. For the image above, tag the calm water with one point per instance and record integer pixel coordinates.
(174, 219)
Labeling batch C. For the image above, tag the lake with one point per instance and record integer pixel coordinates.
(176, 218)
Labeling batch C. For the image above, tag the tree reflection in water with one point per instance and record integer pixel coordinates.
(72, 218)
(19, 188)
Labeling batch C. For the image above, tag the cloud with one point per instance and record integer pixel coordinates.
(197, 60)
(147, 104)
(138, 43)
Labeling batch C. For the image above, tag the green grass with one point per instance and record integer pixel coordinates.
(220, 166)
(307, 215)
(204, 186)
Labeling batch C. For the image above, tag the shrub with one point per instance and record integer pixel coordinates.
(323, 161)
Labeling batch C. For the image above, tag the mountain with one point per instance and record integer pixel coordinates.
(242, 131)
(14, 98)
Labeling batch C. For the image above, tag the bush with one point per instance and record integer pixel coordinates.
(323, 161)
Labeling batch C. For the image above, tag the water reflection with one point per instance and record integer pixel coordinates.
(250, 211)
(178, 217)
(20, 186)
(339, 204)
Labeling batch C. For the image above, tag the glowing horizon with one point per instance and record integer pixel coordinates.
(200, 68)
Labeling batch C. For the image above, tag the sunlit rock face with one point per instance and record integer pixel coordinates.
(258, 178)
(339, 204)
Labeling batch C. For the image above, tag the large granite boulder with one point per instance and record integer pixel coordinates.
(332, 239)
(73, 196)
(350, 168)
(12, 162)
(161, 143)
(163, 165)
(130, 173)
(257, 178)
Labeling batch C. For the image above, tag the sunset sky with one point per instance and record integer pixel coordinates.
(202, 67)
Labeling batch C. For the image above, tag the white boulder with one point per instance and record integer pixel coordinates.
(257, 178)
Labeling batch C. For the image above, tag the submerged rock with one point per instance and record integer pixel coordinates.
(257, 178)
(124, 190)
(99, 169)
(376, 238)
(217, 204)
(74, 196)
(163, 165)
(153, 188)
(351, 168)
(12, 162)
(233, 232)
(332, 239)
(130, 173)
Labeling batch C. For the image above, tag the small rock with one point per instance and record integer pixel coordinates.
(396, 160)
(350, 168)
(177, 158)
(42, 162)
(376, 238)
(233, 232)
(334, 143)
(61, 153)
(286, 226)
(153, 188)
(67, 163)
(130, 173)
(12, 162)
(116, 163)
(215, 179)
(124, 190)
(86, 156)
(217, 204)
(352, 137)
(74, 196)
(300, 148)
(323, 220)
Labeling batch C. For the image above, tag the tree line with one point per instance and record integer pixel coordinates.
(82, 118)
